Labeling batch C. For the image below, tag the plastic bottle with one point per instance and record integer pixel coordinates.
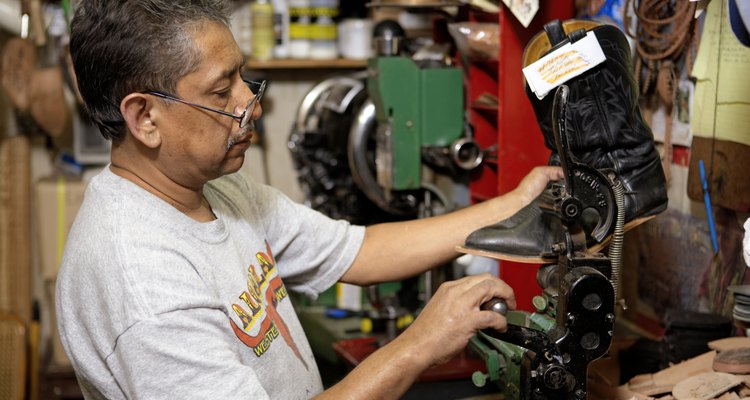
(261, 12)
(280, 28)
(299, 28)
(323, 29)
(241, 29)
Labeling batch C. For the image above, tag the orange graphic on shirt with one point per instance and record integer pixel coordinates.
(264, 292)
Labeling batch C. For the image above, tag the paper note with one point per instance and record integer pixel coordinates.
(563, 64)
(722, 91)
(524, 10)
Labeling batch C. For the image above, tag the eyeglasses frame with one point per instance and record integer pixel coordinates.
(244, 118)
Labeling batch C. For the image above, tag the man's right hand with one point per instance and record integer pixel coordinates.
(440, 332)
(454, 315)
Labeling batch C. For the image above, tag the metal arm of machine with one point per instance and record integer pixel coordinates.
(579, 328)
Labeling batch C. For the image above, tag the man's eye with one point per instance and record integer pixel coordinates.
(223, 94)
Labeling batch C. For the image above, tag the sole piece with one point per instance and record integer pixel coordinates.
(542, 259)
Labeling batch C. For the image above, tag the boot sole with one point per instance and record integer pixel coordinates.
(543, 259)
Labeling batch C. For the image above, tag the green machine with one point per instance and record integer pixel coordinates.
(417, 109)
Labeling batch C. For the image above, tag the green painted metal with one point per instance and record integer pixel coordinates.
(422, 106)
(542, 322)
(442, 106)
(503, 360)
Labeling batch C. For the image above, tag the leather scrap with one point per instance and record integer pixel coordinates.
(19, 60)
(733, 361)
(727, 177)
(705, 386)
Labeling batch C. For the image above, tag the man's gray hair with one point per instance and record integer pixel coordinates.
(121, 47)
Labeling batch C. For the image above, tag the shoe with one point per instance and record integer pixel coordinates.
(605, 131)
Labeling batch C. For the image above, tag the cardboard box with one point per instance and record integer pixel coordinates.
(57, 202)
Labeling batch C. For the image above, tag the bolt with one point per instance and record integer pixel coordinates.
(610, 318)
(479, 378)
(540, 303)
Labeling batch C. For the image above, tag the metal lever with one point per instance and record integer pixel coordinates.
(497, 305)
(585, 187)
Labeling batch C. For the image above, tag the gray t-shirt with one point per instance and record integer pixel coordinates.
(152, 304)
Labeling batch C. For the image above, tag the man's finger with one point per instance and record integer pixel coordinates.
(482, 288)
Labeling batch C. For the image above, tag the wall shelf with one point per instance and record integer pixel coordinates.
(289, 63)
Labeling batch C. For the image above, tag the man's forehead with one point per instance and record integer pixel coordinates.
(220, 57)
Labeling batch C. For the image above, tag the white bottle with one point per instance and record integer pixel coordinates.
(280, 28)
(299, 28)
(241, 27)
(323, 29)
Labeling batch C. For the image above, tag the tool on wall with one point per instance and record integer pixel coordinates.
(546, 354)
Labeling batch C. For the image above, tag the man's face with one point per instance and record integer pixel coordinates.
(200, 145)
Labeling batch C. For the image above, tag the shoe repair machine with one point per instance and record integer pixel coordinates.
(410, 117)
(546, 354)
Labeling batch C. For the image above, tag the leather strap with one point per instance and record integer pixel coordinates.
(555, 32)
(577, 35)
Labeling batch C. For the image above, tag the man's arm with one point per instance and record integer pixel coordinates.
(398, 250)
(394, 251)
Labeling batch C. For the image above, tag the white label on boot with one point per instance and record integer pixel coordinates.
(563, 64)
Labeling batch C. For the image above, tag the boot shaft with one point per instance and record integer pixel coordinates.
(605, 127)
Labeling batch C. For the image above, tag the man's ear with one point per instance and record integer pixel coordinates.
(137, 110)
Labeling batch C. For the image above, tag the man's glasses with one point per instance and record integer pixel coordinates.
(258, 88)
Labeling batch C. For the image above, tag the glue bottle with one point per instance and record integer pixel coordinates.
(261, 13)
(299, 28)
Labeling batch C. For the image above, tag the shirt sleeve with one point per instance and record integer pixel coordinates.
(312, 251)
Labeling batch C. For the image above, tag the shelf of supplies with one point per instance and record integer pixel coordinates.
(289, 63)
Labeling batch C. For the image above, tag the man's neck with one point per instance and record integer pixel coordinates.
(189, 201)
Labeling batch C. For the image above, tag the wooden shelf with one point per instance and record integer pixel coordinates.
(289, 63)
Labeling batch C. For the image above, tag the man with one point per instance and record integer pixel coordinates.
(175, 275)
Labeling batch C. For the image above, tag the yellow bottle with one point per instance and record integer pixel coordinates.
(262, 40)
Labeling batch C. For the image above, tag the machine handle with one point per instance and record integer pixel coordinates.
(497, 305)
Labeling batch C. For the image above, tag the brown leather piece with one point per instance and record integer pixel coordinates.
(735, 361)
(48, 107)
(727, 177)
(18, 63)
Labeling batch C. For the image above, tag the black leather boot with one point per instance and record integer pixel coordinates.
(605, 130)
